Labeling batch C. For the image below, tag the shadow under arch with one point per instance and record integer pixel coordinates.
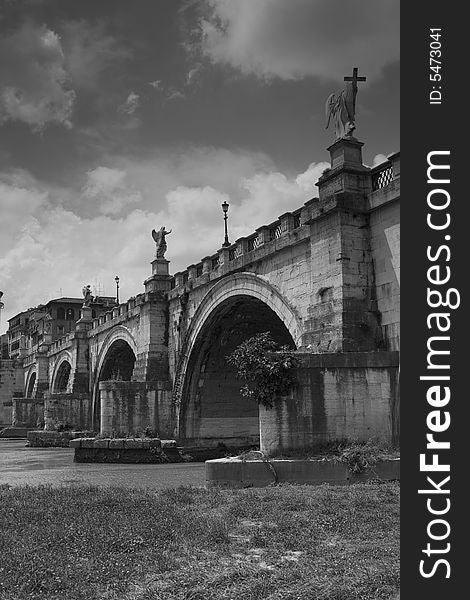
(61, 380)
(211, 407)
(60, 377)
(30, 384)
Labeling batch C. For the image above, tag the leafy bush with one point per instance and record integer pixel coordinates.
(60, 426)
(265, 366)
(359, 457)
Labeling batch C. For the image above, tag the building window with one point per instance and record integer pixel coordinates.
(61, 314)
(70, 314)
(93, 313)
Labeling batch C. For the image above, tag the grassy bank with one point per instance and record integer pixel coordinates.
(282, 543)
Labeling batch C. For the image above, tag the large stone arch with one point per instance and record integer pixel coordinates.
(118, 333)
(234, 294)
(60, 363)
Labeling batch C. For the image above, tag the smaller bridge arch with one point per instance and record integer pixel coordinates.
(115, 361)
(61, 374)
(30, 383)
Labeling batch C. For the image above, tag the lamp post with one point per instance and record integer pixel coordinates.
(225, 206)
(116, 279)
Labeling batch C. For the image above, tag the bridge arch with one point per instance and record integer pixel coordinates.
(61, 374)
(115, 361)
(211, 407)
(30, 383)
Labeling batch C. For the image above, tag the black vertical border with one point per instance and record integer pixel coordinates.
(425, 128)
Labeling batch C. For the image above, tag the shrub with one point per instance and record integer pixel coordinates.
(265, 366)
(60, 426)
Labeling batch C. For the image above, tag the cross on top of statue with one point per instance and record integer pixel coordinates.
(341, 110)
(354, 77)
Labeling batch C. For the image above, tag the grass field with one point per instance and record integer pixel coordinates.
(279, 543)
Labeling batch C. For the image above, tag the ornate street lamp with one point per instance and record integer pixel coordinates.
(225, 206)
(116, 279)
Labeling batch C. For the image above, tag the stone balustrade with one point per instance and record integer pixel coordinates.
(118, 313)
(383, 174)
(61, 343)
(385, 182)
(210, 266)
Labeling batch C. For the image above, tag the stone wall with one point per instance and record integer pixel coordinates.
(11, 380)
(350, 396)
(67, 409)
(129, 407)
(27, 412)
(385, 249)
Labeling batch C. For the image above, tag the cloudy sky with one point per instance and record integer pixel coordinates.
(119, 116)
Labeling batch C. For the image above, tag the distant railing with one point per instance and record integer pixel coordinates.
(254, 242)
(383, 177)
(235, 252)
(275, 232)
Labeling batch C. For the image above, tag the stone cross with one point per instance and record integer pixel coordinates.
(354, 77)
(354, 80)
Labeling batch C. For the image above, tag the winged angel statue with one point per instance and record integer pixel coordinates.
(159, 238)
(341, 110)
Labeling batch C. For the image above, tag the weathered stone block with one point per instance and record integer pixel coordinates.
(101, 443)
(87, 442)
(130, 443)
(117, 443)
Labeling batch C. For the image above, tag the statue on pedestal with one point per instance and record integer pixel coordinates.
(87, 295)
(341, 110)
(159, 238)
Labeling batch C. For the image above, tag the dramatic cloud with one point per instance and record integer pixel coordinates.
(19, 197)
(108, 189)
(35, 86)
(131, 104)
(90, 51)
(294, 39)
(51, 247)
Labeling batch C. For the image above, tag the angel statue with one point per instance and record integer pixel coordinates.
(342, 109)
(159, 238)
(87, 296)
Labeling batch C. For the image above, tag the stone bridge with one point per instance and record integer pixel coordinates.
(323, 279)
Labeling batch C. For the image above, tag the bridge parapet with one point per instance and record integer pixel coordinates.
(60, 344)
(120, 314)
(124, 312)
(385, 181)
(289, 229)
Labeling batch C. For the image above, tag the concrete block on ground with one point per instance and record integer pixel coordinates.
(87, 442)
(117, 443)
(101, 443)
(168, 443)
(14, 432)
(237, 473)
(132, 443)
